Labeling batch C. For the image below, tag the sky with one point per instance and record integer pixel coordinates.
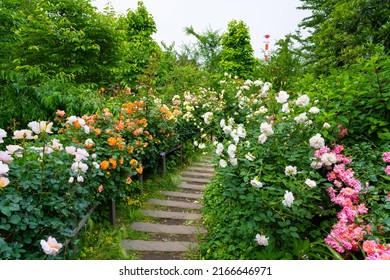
(276, 18)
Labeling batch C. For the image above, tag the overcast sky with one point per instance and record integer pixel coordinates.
(274, 17)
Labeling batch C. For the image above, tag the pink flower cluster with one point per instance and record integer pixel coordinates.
(376, 251)
(347, 234)
(386, 158)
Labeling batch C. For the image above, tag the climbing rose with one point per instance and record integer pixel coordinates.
(51, 246)
(282, 97)
(266, 129)
(386, 157)
(3, 168)
(23, 134)
(310, 183)
(3, 182)
(262, 239)
(288, 199)
(3, 134)
(222, 163)
(302, 101)
(42, 126)
(329, 158)
(256, 183)
(317, 141)
(290, 170)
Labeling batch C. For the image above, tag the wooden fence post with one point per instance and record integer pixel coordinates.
(112, 210)
(162, 154)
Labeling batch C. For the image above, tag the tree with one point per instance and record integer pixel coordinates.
(62, 38)
(344, 30)
(284, 65)
(141, 49)
(207, 49)
(237, 55)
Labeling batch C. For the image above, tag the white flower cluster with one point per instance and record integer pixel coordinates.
(236, 133)
(266, 131)
(78, 167)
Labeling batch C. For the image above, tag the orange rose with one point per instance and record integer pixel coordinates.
(119, 126)
(98, 131)
(129, 180)
(76, 124)
(138, 131)
(113, 163)
(121, 161)
(111, 141)
(139, 169)
(133, 163)
(104, 164)
(131, 149)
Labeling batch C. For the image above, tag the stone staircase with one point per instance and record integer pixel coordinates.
(176, 219)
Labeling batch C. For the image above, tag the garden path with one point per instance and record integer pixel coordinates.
(174, 222)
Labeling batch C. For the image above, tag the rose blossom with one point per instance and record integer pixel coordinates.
(310, 183)
(51, 246)
(282, 97)
(262, 239)
(302, 101)
(288, 199)
(317, 141)
(290, 170)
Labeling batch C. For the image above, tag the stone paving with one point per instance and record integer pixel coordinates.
(177, 217)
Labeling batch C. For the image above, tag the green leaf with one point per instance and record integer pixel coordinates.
(6, 210)
(15, 219)
(5, 226)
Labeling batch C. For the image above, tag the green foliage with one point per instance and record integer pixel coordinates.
(285, 64)
(206, 51)
(356, 96)
(344, 31)
(237, 53)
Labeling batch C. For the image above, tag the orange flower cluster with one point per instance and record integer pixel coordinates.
(166, 112)
(112, 141)
(111, 163)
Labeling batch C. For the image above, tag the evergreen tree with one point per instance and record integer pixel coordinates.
(237, 55)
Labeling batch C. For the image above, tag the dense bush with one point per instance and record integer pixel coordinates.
(53, 174)
(271, 182)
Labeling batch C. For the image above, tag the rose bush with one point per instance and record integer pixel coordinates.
(270, 182)
(54, 173)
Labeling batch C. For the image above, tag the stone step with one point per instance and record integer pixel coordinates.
(182, 194)
(160, 246)
(171, 229)
(195, 180)
(194, 174)
(172, 215)
(201, 169)
(207, 164)
(173, 203)
(195, 187)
